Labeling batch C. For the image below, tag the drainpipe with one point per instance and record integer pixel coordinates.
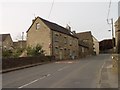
(52, 43)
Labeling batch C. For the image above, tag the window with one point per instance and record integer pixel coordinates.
(56, 37)
(56, 50)
(70, 53)
(70, 42)
(37, 26)
(85, 40)
(60, 34)
(83, 50)
(65, 40)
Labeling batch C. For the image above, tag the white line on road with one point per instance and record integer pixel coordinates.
(34, 81)
(41, 78)
(28, 83)
(62, 68)
(48, 75)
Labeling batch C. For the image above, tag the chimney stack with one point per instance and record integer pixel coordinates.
(68, 27)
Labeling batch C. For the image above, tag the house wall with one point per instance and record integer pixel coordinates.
(96, 45)
(86, 37)
(0, 51)
(64, 46)
(117, 34)
(105, 46)
(7, 43)
(83, 51)
(40, 36)
(20, 44)
(0, 42)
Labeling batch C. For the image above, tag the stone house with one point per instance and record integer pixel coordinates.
(105, 46)
(6, 41)
(87, 38)
(95, 45)
(117, 34)
(56, 40)
(83, 49)
(19, 44)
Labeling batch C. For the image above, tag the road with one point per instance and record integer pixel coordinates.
(83, 73)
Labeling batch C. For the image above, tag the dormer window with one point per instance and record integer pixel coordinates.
(37, 26)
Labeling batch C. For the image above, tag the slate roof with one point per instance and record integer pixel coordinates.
(54, 27)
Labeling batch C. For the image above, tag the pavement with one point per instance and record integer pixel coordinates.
(83, 73)
(108, 77)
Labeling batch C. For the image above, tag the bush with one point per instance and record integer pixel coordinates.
(6, 53)
(35, 51)
(12, 53)
(17, 52)
(31, 51)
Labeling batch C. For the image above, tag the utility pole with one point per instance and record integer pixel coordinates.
(112, 34)
(112, 30)
(22, 39)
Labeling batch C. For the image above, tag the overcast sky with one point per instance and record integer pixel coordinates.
(81, 16)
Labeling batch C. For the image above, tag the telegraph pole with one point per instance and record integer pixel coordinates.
(112, 30)
(112, 34)
(22, 39)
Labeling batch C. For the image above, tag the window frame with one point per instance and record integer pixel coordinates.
(37, 26)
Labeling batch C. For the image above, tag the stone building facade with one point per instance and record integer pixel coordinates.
(87, 38)
(95, 45)
(117, 35)
(6, 41)
(19, 44)
(83, 49)
(56, 40)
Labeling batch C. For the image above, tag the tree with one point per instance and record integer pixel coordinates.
(35, 51)
(6, 53)
(17, 52)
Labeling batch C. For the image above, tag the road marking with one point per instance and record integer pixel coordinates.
(65, 62)
(99, 75)
(63, 79)
(110, 66)
(48, 75)
(42, 77)
(28, 83)
(34, 81)
(62, 68)
(70, 62)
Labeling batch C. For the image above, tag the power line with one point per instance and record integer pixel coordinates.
(51, 9)
(109, 10)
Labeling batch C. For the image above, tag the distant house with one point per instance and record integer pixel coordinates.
(56, 40)
(0, 44)
(19, 44)
(95, 45)
(83, 49)
(6, 41)
(87, 38)
(117, 34)
(106, 46)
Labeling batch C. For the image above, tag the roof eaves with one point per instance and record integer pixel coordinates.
(32, 24)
